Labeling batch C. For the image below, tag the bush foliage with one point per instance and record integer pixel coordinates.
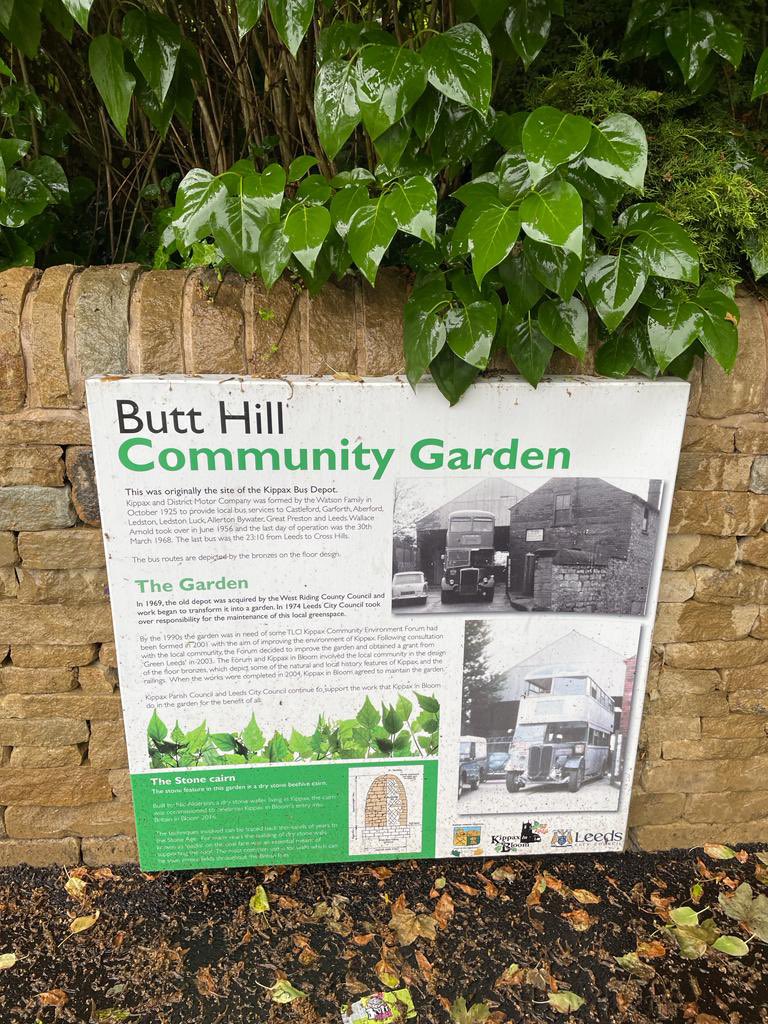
(551, 178)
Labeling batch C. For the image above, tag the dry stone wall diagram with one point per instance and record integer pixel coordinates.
(385, 809)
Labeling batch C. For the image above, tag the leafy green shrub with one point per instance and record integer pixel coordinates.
(394, 731)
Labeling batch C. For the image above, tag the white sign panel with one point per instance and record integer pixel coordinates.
(354, 623)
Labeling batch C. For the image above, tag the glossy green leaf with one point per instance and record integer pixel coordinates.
(424, 327)
(479, 191)
(491, 237)
(522, 288)
(603, 194)
(274, 253)
(106, 60)
(300, 166)
(554, 215)
(305, 229)
(452, 376)
(248, 14)
(671, 330)
(12, 150)
(566, 324)
(557, 269)
(718, 316)
(198, 196)
(514, 177)
(154, 43)
(527, 24)
(291, 19)
(618, 150)
(79, 9)
(25, 197)
(508, 129)
(390, 146)
(614, 284)
(728, 41)
(552, 138)
(52, 175)
(371, 229)
(760, 88)
(424, 114)
(389, 81)
(668, 249)
(690, 36)
(346, 201)
(336, 109)
(236, 226)
(616, 356)
(469, 331)
(459, 65)
(21, 24)
(314, 189)
(527, 345)
(413, 204)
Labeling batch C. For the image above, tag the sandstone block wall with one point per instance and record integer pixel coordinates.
(64, 789)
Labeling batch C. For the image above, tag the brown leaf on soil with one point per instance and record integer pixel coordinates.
(82, 924)
(662, 904)
(584, 896)
(761, 873)
(105, 874)
(363, 940)
(425, 967)
(381, 873)
(702, 869)
(512, 975)
(555, 883)
(491, 890)
(295, 876)
(468, 889)
(707, 1018)
(533, 899)
(651, 949)
(353, 986)
(443, 911)
(503, 873)
(75, 887)
(205, 983)
(387, 973)
(409, 926)
(537, 978)
(56, 997)
(579, 920)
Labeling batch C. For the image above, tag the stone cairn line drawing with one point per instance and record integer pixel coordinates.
(386, 805)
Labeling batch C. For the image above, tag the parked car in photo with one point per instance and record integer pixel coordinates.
(563, 732)
(497, 764)
(473, 762)
(409, 587)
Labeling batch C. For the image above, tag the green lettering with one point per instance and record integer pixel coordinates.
(435, 458)
(124, 454)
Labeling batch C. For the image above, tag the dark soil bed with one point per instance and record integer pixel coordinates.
(187, 948)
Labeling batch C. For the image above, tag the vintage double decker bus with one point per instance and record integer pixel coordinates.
(468, 562)
(563, 733)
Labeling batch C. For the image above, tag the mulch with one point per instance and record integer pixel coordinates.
(504, 935)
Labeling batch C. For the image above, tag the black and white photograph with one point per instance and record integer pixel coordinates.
(511, 544)
(545, 716)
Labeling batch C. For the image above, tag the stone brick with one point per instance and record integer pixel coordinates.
(214, 330)
(754, 550)
(46, 348)
(735, 726)
(749, 702)
(59, 586)
(713, 748)
(82, 548)
(40, 787)
(36, 680)
(332, 339)
(9, 554)
(97, 678)
(70, 756)
(39, 853)
(81, 475)
(108, 655)
(699, 472)
(707, 704)
(35, 508)
(674, 682)
(120, 782)
(156, 342)
(752, 438)
(695, 621)
(14, 284)
(755, 678)
(743, 584)
(743, 389)
(100, 300)
(46, 426)
(722, 807)
(56, 623)
(758, 479)
(760, 628)
(42, 732)
(383, 323)
(65, 705)
(680, 835)
(657, 728)
(107, 748)
(703, 776)
(9, 583)
(718, 513)
(655, 809)
(31, 464)
(275, 329)
(706, 436)
(113, 850)
(716, 653)
(677, 586)
(99, 819)
(52, 655)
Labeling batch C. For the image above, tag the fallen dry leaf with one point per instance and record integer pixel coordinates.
(56, 997)
(82, 924)
(468, 889)
(409, 926)
(443, 911)
(651, 949)
(363, 940)
(584, 896)
(580, 920)
(205, 983)
(75, 887)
